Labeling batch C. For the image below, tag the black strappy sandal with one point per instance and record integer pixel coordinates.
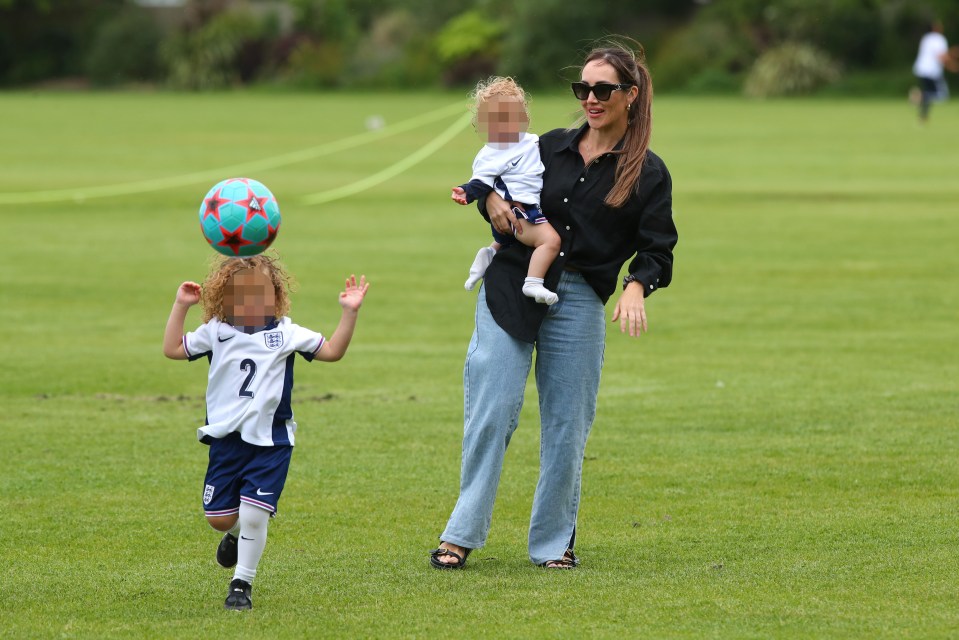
(460, 559)
(568, 561)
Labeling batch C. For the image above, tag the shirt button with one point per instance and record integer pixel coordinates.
(582, 179)
(562, 253)
(567, 227)
(651, 287)
(565, 199)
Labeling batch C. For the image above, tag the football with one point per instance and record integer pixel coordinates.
(239, 217)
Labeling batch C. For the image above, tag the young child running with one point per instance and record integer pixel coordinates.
(509, 163)
(250, 344)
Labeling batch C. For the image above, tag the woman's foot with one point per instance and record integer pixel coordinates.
(568, 561)
(449, 556)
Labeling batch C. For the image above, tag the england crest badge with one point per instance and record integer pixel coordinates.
(273, 340)
(208, 494)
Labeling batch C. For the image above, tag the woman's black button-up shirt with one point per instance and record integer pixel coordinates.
(596, 239)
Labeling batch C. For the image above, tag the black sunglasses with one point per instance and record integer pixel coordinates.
(602, 90)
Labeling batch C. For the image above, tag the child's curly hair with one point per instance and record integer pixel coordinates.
(223, 268)
(500, 86)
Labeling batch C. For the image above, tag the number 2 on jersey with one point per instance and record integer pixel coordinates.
(250, 367)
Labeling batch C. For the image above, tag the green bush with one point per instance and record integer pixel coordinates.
(225, 52)
(385, 56)
(327, 20)
(468, 47)
(40, 40)
(541, 48)
(714, 82)
(418, 66)
(314, 65)
(701, 53)
(790, 69)
(124, 49)
(467, 35)
(848, 30)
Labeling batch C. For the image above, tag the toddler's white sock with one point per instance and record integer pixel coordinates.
(533, 288)
(483, 257)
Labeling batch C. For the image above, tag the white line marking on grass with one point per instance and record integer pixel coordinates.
(80, 194)
(393, 170)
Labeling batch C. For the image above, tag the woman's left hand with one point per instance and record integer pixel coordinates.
(630, 310)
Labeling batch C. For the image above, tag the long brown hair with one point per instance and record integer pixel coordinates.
(627, 57)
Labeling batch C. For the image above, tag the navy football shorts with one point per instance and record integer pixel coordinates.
(531, 214)
(244, 472)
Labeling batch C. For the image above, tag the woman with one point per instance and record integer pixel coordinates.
(610, 200)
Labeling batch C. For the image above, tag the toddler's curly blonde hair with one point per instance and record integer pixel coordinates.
(496, 86)
(224, 268)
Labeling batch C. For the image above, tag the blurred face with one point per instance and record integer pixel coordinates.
(502, 120)
(610, 113)
(250, 299)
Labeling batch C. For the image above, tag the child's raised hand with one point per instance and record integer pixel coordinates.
(188, 293)
(459, 195)
(353, 296)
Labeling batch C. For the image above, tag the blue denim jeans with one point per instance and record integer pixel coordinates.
(569, 358)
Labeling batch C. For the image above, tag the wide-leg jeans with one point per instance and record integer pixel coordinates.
(569, 358)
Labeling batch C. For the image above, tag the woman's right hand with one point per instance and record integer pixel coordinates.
(501, 214)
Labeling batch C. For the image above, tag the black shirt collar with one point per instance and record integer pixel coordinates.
(573, 136)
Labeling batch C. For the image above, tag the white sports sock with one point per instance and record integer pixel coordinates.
(478, 269)
(235, 531)
(533, 288)
(253, 523)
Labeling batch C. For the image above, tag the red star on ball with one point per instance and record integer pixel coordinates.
(234, 240)
(255, 205)
(270, 234)
(212, 205)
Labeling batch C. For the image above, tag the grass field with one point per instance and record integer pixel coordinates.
(777, 458)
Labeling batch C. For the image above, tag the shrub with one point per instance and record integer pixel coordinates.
(790, 69)
(314, 65)
(389, 54)
(227, 50)
(43, 40)
(124, 49)
(541, 48)
(700, 53)
(713, 82)
(468, 47)
(327, 20)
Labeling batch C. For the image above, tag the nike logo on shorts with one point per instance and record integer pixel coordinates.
(264, 493)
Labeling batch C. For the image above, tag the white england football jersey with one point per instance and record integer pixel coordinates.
(518, 167)
(251, 378)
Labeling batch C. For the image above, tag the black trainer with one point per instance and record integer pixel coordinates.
(239, 597)
(226, 551)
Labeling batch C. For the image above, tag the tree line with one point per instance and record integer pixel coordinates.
(764, 47)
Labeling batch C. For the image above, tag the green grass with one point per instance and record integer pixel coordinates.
(776, 458)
